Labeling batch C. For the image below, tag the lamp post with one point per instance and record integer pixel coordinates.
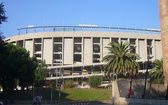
(56, 77)
(146, 74)
(59, 95)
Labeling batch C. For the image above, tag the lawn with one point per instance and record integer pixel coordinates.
(91, 95)
(66, 94)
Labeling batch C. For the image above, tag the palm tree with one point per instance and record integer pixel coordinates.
(119, 60)
(156, 75)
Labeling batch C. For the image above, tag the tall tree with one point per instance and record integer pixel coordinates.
(3, 18)
(119, 60)
(156, 75)
(28, 69)
(16, 64)
(40, 73)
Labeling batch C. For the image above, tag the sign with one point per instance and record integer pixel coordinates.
(51, 85)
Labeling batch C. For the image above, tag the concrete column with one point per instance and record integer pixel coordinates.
(163, 12)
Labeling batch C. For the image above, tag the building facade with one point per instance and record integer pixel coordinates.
(75, 52)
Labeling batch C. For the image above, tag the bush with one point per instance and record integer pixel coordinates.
(68, 83)
(95, 81)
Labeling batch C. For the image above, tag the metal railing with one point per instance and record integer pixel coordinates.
(34, 29)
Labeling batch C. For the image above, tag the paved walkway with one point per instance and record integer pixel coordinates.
(68, 104)
(108, 102)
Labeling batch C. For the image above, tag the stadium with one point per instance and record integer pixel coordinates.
(77, 51)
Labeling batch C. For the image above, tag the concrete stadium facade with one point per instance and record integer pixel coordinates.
(72, 53)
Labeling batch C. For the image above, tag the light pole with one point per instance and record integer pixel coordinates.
(56, 77)
(146, 74)
(59, 95)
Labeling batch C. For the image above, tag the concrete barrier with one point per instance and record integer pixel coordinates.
(134, 101)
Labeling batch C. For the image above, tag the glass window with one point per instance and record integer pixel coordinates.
(96, 48)
(38, 40)
(77, 40)
(77, 58)
(57, 48)
(37, 47)
(96, 40)
(58, 39)
(20, 43)
(38, 55)
(115, 40)
(77, 48)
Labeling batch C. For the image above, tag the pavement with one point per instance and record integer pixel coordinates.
(69, 103)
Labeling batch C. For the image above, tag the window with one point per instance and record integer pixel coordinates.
(96, 56)
(96, 48)
(77, 48)
(20, 43)
(77, 40)
(115, 40)
(38, 40)
(96, 40)
(77, 58)
(58, 39)
(149, 42)
(96, 61)
(57, 48)
(38, 55)
(37, 47)
(132, 41)
(133, 49)
(57, 56)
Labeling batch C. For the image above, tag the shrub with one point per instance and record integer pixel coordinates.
(95, 81)
(68, 83)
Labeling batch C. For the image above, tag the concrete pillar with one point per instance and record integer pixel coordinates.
(163, 12)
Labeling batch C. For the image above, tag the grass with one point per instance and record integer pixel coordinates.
(66, 94)
(91, 95)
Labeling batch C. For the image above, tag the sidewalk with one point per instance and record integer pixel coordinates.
(75, 103)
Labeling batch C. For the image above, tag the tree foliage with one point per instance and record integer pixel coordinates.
(156, 75)
(3, 18)
(95, 81)
(119, 60)
(16, 65)
(68, 83)
(40, 73)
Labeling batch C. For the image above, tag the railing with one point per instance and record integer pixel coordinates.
(34, 29)
(74, 76)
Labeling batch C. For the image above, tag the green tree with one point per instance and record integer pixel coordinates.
(119, 60)
(40, 73)
(26, 74)
(68, 83)
(156, 75)
(95, 81)
(16, 65)
(3, 18)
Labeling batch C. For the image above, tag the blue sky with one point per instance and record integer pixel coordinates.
(122, 13)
